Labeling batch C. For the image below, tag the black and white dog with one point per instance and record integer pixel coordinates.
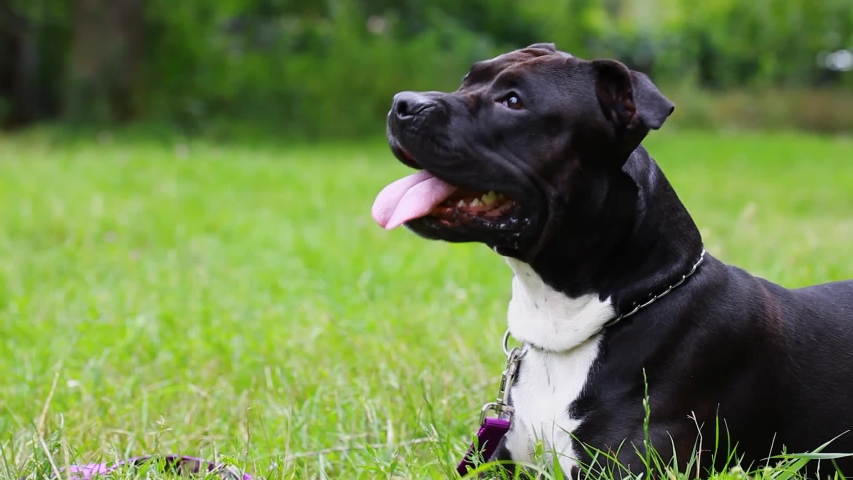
(538, 155)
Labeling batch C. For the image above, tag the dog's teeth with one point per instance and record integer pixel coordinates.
(490, 197)
(476, 202)
(461, 204)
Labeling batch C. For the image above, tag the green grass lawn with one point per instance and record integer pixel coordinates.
(240, 303)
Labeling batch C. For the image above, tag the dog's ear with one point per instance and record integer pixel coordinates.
(542, 46)
(628, 98)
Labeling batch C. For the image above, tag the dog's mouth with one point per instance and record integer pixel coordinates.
(465, 205)
(422, 194)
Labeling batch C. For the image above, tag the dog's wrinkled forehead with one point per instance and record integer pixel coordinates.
(486, 70)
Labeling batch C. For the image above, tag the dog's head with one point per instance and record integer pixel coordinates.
(504, 157)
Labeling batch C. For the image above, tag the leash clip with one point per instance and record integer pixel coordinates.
(492, 430)
(498, 408)
(501, 406)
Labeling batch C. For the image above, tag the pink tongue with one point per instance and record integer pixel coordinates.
(409, 198)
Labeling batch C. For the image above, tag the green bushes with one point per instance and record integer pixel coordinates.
(319, 69)
(325, 76)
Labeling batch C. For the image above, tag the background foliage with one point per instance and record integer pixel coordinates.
(329, 68)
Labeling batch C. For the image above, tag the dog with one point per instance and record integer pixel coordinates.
(538, 155)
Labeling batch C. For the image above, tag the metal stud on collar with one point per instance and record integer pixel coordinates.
(654, 298)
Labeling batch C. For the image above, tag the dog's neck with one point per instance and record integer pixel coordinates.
(547, 319)
(636, 241)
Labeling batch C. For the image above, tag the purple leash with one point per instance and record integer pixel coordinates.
(172, 464)
(492, 430)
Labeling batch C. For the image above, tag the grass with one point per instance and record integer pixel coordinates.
(238, 303)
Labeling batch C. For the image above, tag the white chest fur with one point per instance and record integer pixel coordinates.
(566, 329)
(549, 319)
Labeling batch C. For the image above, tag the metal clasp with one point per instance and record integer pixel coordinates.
(502, 406)
(497, 407)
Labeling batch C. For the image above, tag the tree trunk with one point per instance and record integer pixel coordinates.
(106, 52)
(18, 70)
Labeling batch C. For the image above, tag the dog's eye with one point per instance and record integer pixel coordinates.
(513, 102)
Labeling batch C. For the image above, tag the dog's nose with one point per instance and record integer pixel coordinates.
(409, 104)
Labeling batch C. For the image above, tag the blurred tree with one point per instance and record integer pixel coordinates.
(19, 58)
(105, 59)
(330, 67)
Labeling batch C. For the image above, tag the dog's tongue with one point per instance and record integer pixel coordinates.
(409, 198)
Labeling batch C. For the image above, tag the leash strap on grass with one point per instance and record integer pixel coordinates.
(172, 464)
(488, 437)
